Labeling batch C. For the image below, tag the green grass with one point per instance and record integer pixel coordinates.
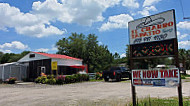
(94, 80)
(161, 102)
(184, 76)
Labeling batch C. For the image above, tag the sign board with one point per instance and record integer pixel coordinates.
(153, 28)
(160, 48)
(54, 65)
(159, 77)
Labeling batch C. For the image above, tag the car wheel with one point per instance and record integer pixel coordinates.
(106, 79)
(118, 78)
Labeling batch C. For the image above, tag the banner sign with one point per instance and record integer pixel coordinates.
(153, 28)
(161, 48)
(160, 77)
(54, 65)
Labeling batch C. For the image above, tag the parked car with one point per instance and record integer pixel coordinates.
(116, 73)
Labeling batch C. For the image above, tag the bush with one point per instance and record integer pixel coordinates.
(98, 76)
(85, 77)
(51, 81)
(11, 80)
(68, 79)
(42, 79)
(60, 79)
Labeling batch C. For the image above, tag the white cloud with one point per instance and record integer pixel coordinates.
(130, 3)
(117, 21)
(39, 30)
(42, 50)
(183, 36)
(38, 21)
(150, 2)
(14, 45)
(178, 33)
(184, 44)
(84, 12)
(25, 23)
(5, 51)
(145, 11)
(100, 43)
(184, 25)
(54, 48)
(123, 55)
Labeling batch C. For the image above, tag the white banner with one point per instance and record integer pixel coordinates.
(161, 77)
(153, 28)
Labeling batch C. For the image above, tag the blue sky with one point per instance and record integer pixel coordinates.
(36, 25)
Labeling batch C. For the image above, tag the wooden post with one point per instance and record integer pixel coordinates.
(133, 91)
(180, 96)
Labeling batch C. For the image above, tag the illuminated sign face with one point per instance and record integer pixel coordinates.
(161, 48)
(159, 77)
(153, 28)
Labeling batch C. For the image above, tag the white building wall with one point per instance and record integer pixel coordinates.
(37, 57)
(67, 62)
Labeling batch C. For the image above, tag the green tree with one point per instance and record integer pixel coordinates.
(97, 57)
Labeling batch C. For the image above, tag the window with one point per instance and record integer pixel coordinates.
(32, 55)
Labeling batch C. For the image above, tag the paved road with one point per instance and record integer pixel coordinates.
(87, 93)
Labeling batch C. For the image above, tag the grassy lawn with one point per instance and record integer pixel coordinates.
(184, 76)
(161, 102)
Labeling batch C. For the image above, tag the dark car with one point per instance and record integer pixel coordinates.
(116, 73)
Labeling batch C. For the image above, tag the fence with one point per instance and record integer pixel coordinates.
(13, 70)
(92, 75)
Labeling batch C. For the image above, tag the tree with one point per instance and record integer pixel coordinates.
(97, 57)
(11, 57)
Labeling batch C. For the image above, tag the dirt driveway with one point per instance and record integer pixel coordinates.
(82, 94)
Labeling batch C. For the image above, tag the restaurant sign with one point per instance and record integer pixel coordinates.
(153, 28)
(157, 77)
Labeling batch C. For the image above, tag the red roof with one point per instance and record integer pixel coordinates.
(59, 56)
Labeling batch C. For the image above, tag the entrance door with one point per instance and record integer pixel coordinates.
(41, 69)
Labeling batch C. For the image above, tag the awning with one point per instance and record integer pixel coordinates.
(80, 67)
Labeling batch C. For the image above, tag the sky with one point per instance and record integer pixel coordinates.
(36, 25)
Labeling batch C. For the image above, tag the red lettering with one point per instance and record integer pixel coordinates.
(158, 32)
(176, 73)
(149, 33)
(170, 24)
(147, 28)
(142, 34)
(154, 32)
(153, 27)
(165, 25)
(142, 29)
(162, 73)
(148, 74)
(155, 74)
(170, 73)
(159, 26)
(165, 73)
(136, 74)
(144, 74)
(132, 34)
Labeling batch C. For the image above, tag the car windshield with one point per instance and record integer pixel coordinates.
(115, 68)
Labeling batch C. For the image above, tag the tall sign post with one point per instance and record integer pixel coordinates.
(154, 37)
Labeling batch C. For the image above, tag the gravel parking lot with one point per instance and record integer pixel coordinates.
(86, 93)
